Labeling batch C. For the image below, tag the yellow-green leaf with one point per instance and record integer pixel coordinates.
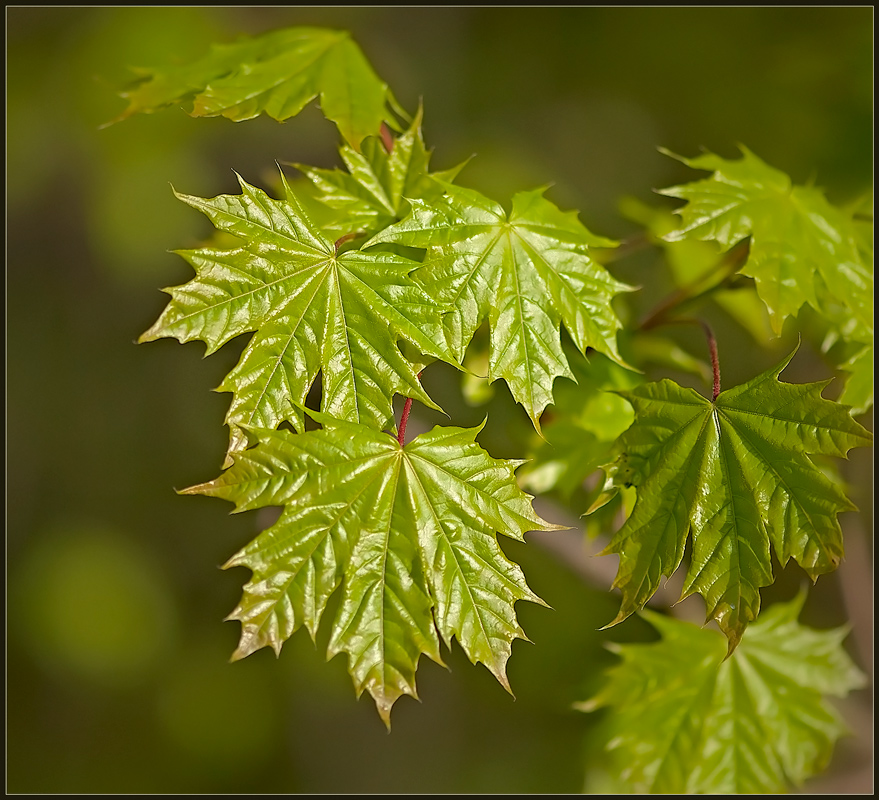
(528, 273)
(682, 719)
(312, 310)
(407, 535)
(278, 73)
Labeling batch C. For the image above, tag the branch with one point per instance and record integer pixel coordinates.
(732, 261)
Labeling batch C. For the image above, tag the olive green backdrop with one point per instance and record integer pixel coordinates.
(117, 673)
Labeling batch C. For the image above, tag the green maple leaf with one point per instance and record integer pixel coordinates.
(373, 193)
(527, 273)
(802, 249)
(312, 309)
(685, 720)
(408, 533)
(278, 73)
(733, 475)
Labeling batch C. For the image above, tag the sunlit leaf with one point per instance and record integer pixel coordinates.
(527, 273)
(406, 534)
(374, 190)
(801, 247)
(313, 310)
(278, 73)
(735, 478)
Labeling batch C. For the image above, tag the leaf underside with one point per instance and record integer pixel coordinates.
(685, 720)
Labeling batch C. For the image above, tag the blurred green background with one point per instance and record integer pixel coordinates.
(117, 673)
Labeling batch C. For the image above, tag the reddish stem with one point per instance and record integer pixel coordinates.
(404, 418)
(346, 238)
(712, 349)
(387, 137)
(715, 361)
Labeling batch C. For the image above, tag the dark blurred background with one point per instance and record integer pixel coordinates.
(117, 673)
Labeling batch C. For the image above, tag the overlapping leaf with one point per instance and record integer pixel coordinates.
(686, 721)
(527, 273)
(735, 477)
(407, 535)
(798, 239)
(373, 192)
(313, 310)
(802, 249)
(843, 327)
(278, 73)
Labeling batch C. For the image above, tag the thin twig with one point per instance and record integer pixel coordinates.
(730, 264)
(387, 137)
(404, 418)
(346, 238)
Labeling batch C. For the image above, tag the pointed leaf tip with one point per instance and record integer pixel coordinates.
(735, 479)
(408, 539)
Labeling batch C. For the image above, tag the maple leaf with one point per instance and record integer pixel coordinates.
(735, 476)
(688, 721)
(409, 533)
(312, 310)
(278, 73)
(802, 249)
(527, 273)
(373, 193)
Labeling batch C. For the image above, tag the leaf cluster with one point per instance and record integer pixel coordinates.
(353, 281)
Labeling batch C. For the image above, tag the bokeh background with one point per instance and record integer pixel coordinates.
(117, 673)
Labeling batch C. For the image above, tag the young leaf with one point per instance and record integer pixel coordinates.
(312, 310)
(735, 475)
(409, 533)
(373, 192)
(686, 721)
(278, 73)
(527, 273)
(799, 241)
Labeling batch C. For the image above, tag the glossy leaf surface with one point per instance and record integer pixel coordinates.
(406, 534)
(685, 721)
(313, 310)
(278, 73)
(733, 476)
(527, 273)
(373, 192)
